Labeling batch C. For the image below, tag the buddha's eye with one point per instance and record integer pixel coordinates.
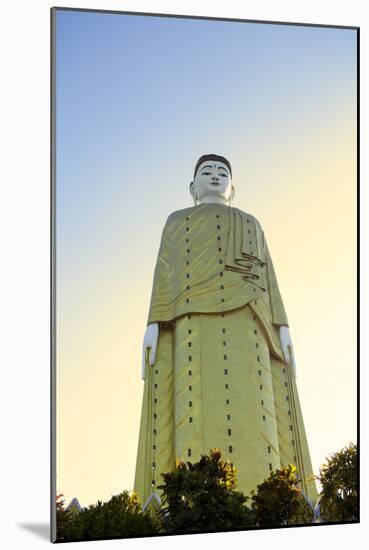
(205, 173)
(224, 175)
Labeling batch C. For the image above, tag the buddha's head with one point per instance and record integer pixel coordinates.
(212, 180)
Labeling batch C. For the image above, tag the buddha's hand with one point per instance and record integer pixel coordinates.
(150, 343)
(287, 348)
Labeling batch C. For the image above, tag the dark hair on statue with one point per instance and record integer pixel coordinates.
(218, 158)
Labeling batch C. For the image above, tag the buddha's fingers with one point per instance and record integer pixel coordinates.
(143, 368)
(286, 353)
(152, 357)
(293, 362)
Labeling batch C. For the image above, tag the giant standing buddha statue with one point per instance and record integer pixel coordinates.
(218, 361)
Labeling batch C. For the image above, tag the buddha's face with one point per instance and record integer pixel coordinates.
(212, 182)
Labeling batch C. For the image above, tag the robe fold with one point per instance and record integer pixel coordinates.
(220, 379)
(194, 252)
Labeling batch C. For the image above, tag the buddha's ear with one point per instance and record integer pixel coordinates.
(232, 193)
(192, 188)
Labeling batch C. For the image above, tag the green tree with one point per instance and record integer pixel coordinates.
(339, 479)
(202, 497)
(121, 516)
(278, 500)
(62, 517)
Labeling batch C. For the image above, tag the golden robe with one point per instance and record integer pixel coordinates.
(220, 378)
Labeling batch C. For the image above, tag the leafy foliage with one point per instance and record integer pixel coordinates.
(278, 500)
(62, 516)
(339, 480)
(121, 516)
(202, 497)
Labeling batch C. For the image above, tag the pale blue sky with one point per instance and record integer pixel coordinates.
(140, 98)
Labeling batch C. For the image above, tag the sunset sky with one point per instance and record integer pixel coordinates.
(138, 100)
